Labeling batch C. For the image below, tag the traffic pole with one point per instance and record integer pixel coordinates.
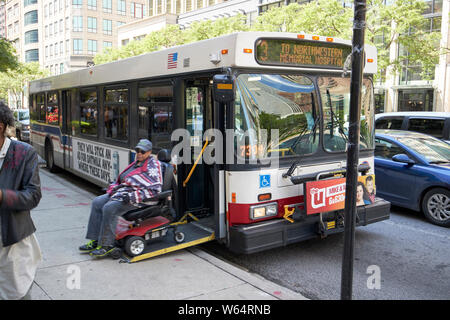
(359, 24)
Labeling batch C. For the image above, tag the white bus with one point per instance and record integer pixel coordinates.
(250, 84)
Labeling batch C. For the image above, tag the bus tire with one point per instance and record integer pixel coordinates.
(49, 157)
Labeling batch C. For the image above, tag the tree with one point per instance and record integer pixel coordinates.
(172, 35)
(14, 81)
(398, 23)
(8, 59)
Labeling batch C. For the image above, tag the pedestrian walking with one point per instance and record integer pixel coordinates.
(20, 192)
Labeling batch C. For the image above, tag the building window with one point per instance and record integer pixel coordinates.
(77, 46)
(76, 3)
(77, 23)
(107, 27)
(107, 6)
(61, 68)
(29, 2)
(32, 55)
(92, 24)
(137, 10)
(92, 46)
(92, 4)
(31, 36)
(121, 7)
(31, 17)
(107, 44)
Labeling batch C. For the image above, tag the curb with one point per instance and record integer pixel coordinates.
(277, 291)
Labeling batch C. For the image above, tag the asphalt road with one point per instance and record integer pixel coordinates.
(413, 257)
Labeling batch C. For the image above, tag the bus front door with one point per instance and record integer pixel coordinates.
(195, 178)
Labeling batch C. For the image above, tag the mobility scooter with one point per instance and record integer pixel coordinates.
(152, 220)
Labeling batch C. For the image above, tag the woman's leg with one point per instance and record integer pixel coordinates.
(111, 212)
(96, 217)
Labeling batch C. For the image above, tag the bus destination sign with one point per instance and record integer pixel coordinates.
(301, 53)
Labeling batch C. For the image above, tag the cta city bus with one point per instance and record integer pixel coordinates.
(280, 102)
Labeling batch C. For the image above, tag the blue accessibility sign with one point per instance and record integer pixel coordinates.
(264, 180)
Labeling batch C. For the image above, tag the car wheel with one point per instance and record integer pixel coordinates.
(436, 206)
(134, 246)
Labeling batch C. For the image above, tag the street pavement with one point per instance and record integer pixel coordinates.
(190, 274)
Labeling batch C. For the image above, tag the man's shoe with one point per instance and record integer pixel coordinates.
(101, 252)
(88, 247)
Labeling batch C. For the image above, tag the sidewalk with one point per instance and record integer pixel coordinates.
(190, 274)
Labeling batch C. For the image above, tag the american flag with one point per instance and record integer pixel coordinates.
(172, 60)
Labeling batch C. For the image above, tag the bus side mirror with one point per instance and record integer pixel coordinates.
(223, 90)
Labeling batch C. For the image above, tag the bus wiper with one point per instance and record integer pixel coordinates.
(333, 118)
(301, 135)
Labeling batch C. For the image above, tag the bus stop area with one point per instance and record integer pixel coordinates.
(188, 274)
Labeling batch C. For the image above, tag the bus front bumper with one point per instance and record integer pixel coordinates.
(280, 232)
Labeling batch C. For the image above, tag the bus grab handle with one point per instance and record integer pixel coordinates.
(195, 164)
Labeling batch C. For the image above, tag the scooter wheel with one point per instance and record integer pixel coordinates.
(178, 237)
(134, 246)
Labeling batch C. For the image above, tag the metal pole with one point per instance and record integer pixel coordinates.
(353, 148)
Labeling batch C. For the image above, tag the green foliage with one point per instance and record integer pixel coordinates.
(14, 81)
(8, 59)
(400, 22)
(172, 35)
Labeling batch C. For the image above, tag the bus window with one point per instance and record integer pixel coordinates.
(40, 107)
(88, 112)
(155, 115)
(116, 114)
(335, 95)
(267, 104)
(52, 108)
(32, 107)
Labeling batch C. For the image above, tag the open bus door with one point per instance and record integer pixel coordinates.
(197, 181)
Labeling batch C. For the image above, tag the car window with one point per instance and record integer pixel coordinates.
(434, 127)
(386, 150)
(389, 123)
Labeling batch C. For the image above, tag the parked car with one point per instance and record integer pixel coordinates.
(436, 124)
(412, 170)
(22, 124)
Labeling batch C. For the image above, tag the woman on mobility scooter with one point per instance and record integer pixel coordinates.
(140, 181)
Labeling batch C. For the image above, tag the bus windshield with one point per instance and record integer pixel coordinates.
(288, 103)
(335, 96)
(268, 102)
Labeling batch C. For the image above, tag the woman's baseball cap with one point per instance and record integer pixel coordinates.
(144, 145)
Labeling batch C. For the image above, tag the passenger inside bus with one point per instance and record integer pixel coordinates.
(140, 181)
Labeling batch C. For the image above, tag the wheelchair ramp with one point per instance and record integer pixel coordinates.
(194, 233)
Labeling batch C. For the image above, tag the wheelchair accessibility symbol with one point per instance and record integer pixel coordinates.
(264, 180)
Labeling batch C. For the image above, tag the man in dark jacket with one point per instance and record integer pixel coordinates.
(20, 192)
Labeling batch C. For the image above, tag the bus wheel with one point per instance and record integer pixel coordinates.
(49, 159)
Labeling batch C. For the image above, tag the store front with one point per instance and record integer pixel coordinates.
(415, 99)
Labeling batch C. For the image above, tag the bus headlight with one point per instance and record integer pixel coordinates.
(263, 211)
